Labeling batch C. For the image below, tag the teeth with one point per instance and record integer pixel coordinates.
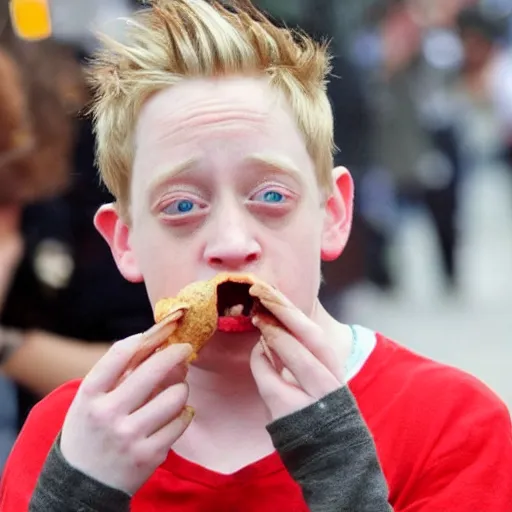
(234, 310)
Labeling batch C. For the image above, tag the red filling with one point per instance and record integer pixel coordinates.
(231, 294)
(235, 324)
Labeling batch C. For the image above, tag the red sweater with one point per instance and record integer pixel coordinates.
(444, 441)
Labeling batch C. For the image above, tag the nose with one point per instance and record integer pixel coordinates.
(232, 246)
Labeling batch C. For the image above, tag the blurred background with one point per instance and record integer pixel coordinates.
(422, 98)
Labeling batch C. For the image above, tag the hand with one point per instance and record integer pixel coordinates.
(11, 247)
(120, 427)
(10, 341)
(294, 365)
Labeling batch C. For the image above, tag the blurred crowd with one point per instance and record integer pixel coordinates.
(409, 78)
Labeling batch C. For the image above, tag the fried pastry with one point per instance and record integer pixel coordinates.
(201, 308)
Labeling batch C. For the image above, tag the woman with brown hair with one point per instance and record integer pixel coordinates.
(51, 259)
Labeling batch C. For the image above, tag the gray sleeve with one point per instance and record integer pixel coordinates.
(62, 488)
(329, 451)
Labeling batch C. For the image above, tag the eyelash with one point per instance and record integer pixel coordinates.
(184, 213)
(285, 193)
(273, 190)
(177, 215)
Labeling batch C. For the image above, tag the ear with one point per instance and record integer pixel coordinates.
(117, 234)
(338, 215)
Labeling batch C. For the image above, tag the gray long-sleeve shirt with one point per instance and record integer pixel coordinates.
(326, 448)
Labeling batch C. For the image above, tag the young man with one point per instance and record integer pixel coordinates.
(215, 136)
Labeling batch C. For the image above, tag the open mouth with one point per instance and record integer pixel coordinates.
(235, 307)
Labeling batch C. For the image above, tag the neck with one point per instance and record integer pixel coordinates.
(221, 383)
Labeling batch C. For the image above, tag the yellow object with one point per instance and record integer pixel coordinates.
(31, 19)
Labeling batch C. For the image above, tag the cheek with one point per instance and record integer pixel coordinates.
(297, 260)
(167, 265)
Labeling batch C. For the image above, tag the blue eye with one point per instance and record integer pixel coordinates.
(185, 206)
(180, 206)
(270, 196)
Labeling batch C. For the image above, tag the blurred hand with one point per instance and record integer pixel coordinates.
(120, 427)
(11, 247)
(294, 365)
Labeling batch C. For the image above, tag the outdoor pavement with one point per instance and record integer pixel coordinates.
(471, 329)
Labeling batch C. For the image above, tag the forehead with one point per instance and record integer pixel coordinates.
(222, 118)
(193, 102)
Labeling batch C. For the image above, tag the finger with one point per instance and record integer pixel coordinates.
(136, 389)
(283, 309)
(288, 377)
(161, 410)
(277, 364)
(153, 339)
(324, 352)
(109, 369)
(310, 373)
(299, 324)
(162, 440)
(272, 357)
(280, 397)
(177, 374)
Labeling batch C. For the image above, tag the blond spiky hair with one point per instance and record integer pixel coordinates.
(173, 40)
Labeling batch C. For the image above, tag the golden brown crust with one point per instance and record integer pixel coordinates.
(199, 322)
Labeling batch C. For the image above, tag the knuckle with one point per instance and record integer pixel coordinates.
(266, 389)
(99, 415)
(174, 354)
(181, 373)
(126, 433)
(176, 396)
(272, 336)
(181, 391)
(145, 458)
(158, 372)
(87, 390)
(299, 364)
(120, 349)
(327, 355)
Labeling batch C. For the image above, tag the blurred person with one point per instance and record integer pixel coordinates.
(230, 168)
(54, 299)
(351, 133)
(50, 329)
(415, 122)
(23, 178)
(487, 70)
(376, 200)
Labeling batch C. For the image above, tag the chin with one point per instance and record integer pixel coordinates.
(227, 350)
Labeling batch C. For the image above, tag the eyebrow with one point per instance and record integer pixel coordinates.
(271, 162)
(274, 163)
(171, 172)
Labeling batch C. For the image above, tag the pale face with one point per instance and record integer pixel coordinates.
(222, 181)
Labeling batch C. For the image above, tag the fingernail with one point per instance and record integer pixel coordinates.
(187, 349)
(267, 293)
(172, 317)
(184, 367)
(161, 329)
(188, 414)
(266, 322)
(267, 352)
